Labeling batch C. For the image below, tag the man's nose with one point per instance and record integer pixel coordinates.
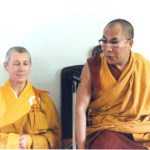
(108, 47)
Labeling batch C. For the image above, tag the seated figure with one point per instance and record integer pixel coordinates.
(28, 117)
(118, 80)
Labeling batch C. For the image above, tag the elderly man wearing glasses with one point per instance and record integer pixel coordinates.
(115, 89)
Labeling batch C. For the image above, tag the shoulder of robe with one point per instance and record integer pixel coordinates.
(39, 91)
(142, 60)
(140, 57)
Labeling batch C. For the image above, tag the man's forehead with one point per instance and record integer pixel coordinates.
(113, 28)
(116, 34)
(110, 38)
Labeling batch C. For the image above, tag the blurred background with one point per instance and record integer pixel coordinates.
(61, 33)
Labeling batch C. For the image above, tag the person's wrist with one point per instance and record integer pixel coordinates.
(80, 146)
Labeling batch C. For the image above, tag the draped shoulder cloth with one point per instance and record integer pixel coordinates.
(123, 105)
(32, 113)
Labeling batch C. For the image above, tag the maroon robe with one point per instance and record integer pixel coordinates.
(107, 139)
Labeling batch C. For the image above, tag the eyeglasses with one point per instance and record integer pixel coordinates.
(112, 43)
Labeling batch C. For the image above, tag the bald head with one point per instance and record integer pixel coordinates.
(127, 27)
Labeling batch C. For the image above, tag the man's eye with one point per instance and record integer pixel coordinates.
(113, 42)
(104, 41)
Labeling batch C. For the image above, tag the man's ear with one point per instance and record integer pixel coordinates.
(131, 42)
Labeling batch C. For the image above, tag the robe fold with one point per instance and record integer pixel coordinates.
(32, 113)
(123, 105)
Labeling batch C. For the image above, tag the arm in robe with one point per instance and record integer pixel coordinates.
(83, 99)
(9, 141)
(51, 138)
(9, 138)
(47, 134)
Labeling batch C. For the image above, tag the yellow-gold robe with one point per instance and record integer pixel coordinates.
(124, 105)
(32, 113)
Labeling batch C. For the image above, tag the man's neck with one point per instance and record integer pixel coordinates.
(122, 65)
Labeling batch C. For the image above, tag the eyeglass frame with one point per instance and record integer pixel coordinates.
(112, 43)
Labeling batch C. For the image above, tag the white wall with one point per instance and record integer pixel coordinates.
(60, 33)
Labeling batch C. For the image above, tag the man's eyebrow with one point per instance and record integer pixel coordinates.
(114, 38)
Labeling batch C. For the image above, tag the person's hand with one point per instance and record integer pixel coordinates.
(23, 141)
